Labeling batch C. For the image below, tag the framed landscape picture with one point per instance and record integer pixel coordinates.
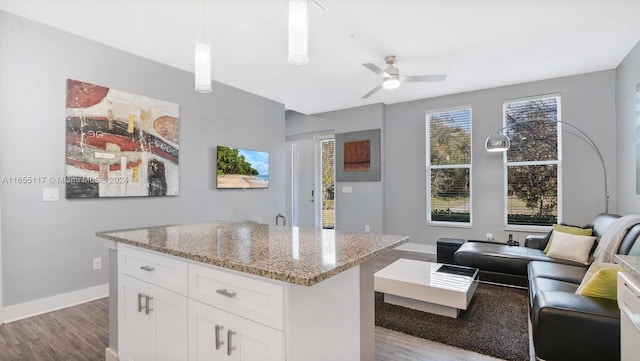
(238, 168)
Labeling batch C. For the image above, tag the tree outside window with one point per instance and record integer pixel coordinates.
(449, 166)
(532, 163)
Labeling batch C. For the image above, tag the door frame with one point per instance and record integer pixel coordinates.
(317, 138)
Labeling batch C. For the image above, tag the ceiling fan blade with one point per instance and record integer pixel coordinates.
(376, 70)
(373, 91)
(415, 78)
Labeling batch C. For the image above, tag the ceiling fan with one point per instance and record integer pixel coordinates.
(392, 78)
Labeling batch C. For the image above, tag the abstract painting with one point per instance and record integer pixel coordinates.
(119, 144)
(358, 156)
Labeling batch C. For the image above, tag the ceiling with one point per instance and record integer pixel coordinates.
(478, 44)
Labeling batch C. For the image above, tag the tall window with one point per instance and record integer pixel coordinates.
(449, 166)
(328, 183)
(533, 166)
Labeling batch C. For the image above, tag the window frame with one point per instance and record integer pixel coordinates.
(557, 162)
(430, 167)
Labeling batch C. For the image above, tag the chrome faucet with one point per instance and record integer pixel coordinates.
(284, 219)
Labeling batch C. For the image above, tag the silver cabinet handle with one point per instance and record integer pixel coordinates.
(147, 307)
(140, 307)
(218, 342)
(147, 268)
(229, 347)
(224, 292)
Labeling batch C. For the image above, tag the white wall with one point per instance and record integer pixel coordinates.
(365, 206)
(47, 247)
(627, 78)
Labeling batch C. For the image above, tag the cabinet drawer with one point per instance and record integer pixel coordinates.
(154, 268)
(257, 300)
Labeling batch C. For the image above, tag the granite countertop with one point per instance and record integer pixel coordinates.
(630, 263)
(295, 255)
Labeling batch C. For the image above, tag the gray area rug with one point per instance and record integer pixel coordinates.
(495, 323)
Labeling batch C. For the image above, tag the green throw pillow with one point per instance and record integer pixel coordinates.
(567, 229)
(603, 284)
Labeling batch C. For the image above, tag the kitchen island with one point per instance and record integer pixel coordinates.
(242, 291)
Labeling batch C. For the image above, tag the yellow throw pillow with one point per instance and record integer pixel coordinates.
(593, 269)
(567, 229)
(603, 284)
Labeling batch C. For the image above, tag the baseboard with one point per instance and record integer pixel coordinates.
(53, 303)
(110, 355)
(417, 247)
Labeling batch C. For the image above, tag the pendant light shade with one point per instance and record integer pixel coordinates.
(298, 32)
(203, 66)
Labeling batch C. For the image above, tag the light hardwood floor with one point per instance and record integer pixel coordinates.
(80, 333)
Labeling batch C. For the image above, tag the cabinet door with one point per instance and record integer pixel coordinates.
(133, 330)
(207, 332)
(168, 325)
(252, 341)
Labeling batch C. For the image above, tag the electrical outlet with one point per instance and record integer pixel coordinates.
(50, 194)
(97, 263)
(489, 237)
(366, 228)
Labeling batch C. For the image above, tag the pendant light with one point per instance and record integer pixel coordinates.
(298, 32)
(202, 58)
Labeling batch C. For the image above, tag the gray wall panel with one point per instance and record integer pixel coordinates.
(627, 78)
(48, 246)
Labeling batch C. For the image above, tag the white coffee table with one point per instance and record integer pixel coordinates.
(419, 285)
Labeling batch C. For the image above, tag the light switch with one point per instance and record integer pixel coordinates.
(50, 194)
(347, 190)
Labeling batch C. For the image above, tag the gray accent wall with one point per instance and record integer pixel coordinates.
(587, 102)
(627, 78)
(365, 205)
(48, 247)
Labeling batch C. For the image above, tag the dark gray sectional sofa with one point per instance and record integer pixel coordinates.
(565, 325)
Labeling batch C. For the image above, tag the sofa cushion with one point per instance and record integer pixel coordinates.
(571, 247)
(547, 284)
(567, 326)
(502, 258)
(557, 271)
(564, 228)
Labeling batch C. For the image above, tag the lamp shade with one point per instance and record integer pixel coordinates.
(497, 142)
(298, 32)
(203, 66)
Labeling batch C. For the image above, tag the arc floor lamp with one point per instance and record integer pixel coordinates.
(499, 142)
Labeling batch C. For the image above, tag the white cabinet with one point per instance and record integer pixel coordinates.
(215, 334)
(174, 309)
(152, 320)
(171, 309)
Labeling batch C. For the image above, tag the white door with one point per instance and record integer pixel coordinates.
(302, 159)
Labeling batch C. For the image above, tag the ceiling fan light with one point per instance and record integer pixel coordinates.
(497, 143)
(391, 82)
(298, 32)
(203, 66)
